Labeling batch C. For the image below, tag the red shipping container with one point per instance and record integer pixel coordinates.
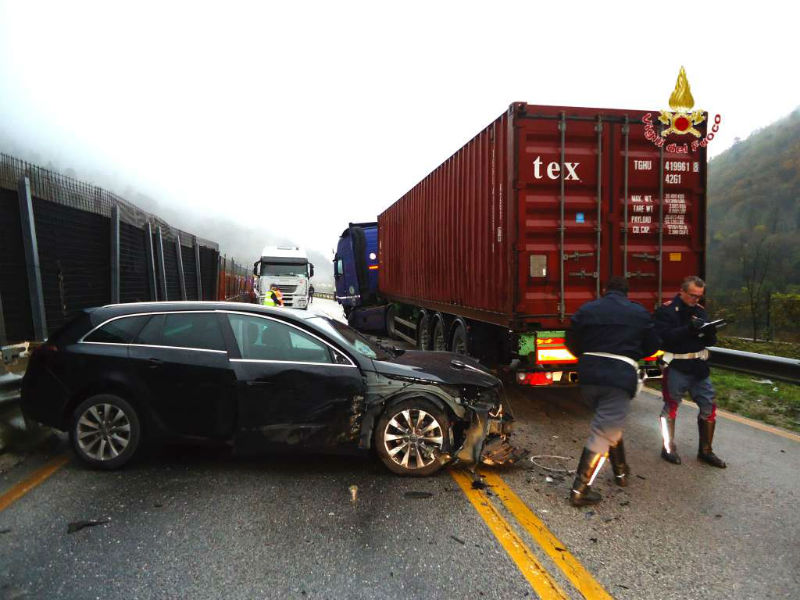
(526, 221)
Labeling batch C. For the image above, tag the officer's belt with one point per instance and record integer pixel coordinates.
(630, 361)
(625, 359)
(668, 357)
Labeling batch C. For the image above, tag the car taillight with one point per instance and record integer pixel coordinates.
(45, 349)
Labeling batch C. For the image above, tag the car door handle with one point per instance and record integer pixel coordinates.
(154, 362)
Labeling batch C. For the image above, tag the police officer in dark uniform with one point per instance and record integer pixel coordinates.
(682, 325)
(609, 336)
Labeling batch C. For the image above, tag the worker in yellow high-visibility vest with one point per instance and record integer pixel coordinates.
(274, 297)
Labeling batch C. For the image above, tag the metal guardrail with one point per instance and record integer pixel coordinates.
(10, 385)
(324, 296)
(775, 367)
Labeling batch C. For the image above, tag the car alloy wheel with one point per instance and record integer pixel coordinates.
(411, 436)
(105, 431)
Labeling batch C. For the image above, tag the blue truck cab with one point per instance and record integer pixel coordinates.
(355, 271)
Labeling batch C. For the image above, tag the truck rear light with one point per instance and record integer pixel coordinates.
(535, 378)
(553, 351)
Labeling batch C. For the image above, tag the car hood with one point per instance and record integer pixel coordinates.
(437, 367)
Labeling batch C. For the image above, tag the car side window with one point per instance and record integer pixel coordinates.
(118, 331)
(150, 334)
(267, 339)
(192, 330)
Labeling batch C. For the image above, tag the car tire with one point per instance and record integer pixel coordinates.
(411, 435)
(438, 341)
(105, 431)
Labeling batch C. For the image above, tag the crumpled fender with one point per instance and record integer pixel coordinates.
(374, 409)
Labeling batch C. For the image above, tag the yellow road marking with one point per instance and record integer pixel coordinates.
(541, 581)
(572, 568)
(39, 476)
(739, 419)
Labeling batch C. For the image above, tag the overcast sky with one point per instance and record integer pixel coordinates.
(303, 116)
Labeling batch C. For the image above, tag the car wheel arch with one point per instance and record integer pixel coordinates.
(453, 411)
(117, 388)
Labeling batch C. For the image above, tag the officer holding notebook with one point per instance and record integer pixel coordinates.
(682, 324)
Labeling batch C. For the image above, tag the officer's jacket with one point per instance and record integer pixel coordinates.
(672, 324)
(615, 325)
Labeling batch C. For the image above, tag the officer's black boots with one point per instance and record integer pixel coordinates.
(669, 452)
(704, 452)
(582, 493)
(616, 455)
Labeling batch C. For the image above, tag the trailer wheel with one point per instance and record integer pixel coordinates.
(424, 332)
(439, 342)
(459, 345)
(391, 313)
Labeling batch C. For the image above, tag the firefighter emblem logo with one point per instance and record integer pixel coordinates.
(682, 119)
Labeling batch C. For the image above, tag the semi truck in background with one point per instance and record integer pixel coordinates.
(289, 269)
(494, 250)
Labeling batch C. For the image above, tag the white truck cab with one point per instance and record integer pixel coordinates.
(289, 269)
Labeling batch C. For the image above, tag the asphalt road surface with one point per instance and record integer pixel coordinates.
(200, 523)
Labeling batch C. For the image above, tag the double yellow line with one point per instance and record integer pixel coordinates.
(540, 580)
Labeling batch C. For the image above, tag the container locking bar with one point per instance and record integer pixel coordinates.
(598, 227)
(626, 134)
(562, 127)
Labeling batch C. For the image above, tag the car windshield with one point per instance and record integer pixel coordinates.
(351, 337)
(284, 269)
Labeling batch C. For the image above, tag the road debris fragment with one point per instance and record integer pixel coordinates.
(78, 525)
(414, 494)
(353, 493)
(537, 460)
(460, 541)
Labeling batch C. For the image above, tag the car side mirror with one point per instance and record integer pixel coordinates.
(311, 269)
(256, 268)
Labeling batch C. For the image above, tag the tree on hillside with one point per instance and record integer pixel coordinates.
(757, 261)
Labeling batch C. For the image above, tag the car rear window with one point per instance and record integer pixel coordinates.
(118, 331)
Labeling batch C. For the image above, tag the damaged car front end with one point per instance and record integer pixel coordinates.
(425, 410)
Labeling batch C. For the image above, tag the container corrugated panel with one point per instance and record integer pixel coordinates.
(14, 292)
(481, 236)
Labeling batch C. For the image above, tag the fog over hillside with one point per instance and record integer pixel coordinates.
(243, 243)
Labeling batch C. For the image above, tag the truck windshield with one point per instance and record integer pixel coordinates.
(293, 269)
(353, 338)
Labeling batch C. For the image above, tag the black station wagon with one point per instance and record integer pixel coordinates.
(259, 378)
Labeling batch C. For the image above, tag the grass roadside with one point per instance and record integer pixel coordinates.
(775, 403)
